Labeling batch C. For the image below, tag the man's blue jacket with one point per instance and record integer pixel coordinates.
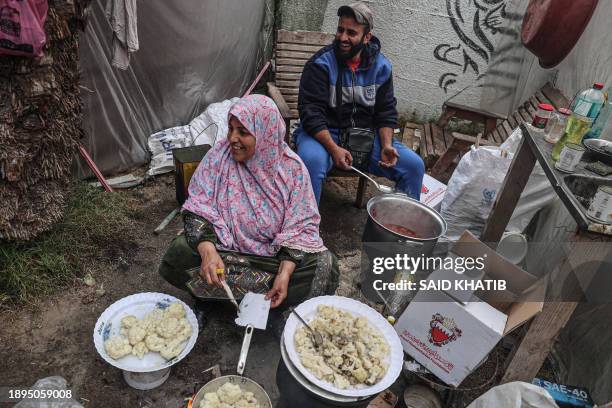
(367, 94)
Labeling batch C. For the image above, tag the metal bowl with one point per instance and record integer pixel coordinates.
(596, 146)
(245, 384)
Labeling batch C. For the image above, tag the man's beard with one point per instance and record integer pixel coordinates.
(347, 55)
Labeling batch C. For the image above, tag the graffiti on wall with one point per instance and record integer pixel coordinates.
(475, 22)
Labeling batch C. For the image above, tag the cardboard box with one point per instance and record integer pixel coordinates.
(432, 192)
(452, 331)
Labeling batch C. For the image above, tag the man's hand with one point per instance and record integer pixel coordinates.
(388, 156)
(211, 262)
(342, 158)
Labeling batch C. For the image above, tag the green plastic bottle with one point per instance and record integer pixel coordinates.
(577, 127)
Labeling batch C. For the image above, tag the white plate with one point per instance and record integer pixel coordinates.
(139, 305)
(308, 311)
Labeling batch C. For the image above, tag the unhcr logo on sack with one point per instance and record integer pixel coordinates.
(488, 196)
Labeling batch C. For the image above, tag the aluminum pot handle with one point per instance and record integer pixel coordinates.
(244, 350)
(412, 243)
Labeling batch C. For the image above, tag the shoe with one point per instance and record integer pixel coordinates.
(200, 309)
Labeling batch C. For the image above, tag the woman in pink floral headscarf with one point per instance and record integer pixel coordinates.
(251, 196)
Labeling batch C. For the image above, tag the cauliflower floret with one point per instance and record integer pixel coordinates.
(140, 349)
(154, 342)
(151, 321)
(172, 349)
(185, 329)
(168, 327)
(229, 393)
(175, 310)
(117, 347)
(128, 321)
(136, 334)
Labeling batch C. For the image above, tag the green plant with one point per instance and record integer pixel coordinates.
(95, 224)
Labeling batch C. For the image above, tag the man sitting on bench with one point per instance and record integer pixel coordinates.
(368, 102)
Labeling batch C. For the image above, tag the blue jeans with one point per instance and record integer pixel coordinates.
(407, 173)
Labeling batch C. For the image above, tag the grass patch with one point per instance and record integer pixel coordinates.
(95, 225)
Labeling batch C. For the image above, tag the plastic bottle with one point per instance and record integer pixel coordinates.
(577, 126)
(602, 120)
(589, 102)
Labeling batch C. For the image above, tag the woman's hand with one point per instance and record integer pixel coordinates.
(211, 262)
(279, 290)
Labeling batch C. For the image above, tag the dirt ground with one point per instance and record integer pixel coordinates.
(55, 337)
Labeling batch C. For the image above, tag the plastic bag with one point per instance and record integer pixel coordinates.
(22, 25)
(50, 383)
(472, 190)
(211, 125)
(207, 128)
(474, 185)
(515, 395)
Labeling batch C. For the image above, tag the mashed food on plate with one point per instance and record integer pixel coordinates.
(162, 331)
(229, 396)
(353, 352)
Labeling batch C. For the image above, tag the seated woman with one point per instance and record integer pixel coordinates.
(251, 197)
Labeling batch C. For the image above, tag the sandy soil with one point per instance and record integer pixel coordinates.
(55, 338)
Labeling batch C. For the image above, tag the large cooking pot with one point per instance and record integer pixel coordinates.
(397, 224)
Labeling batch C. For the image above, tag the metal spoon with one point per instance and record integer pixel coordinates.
(381, 187)
(316, 336)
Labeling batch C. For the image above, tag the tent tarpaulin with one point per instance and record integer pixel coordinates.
(192, 53)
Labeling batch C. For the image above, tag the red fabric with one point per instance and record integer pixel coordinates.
(354, 64)
(22, 27)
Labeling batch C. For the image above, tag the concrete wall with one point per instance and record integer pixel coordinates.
(434, 47)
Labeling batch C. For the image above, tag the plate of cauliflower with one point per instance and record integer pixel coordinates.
(231, 391)
(361, 354)
(145, 332)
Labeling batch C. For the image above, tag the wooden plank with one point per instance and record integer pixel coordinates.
(495, 137)
(289, 68)
(513, 123)
(534, 102)
(418, 137)
(429, 145)
(304, 37)
(291, 61)
(287, 76)
(288, 84)
(448, 138)
(293, 54)
(525, 115)
(414, 125)
(292, 105)
(585, 255)
(477, 111)
(555, 96)
(541, 98)
(293, 113)
(289, 91)
(518, 118)
(527, 359)
(501, 131)
(277, 97)
(407, 137)
(291, 98)
(507, 128)
(530, 109)
(298, 47)
(437, 136)
(509, 194)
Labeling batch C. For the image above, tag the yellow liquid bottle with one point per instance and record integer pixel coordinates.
(577, 127)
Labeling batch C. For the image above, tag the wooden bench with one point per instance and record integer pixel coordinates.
(292, 51)
(443, 148)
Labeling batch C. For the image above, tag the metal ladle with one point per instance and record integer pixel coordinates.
(381, 187)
